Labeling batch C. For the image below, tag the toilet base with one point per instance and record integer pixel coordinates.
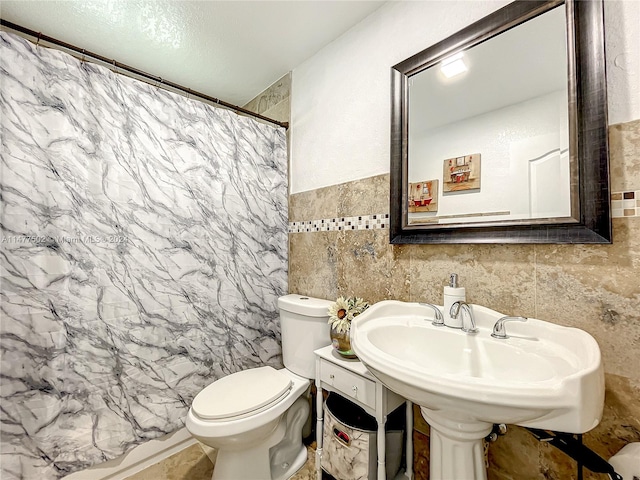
(286, 470)
(277, 457)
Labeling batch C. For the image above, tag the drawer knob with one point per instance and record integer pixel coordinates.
(331, 376)
(355, 389)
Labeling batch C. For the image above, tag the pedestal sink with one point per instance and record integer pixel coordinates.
(544, 376)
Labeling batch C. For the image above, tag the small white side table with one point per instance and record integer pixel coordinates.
(351, 379)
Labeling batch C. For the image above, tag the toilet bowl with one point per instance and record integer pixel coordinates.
(245, 436)
(254, 418)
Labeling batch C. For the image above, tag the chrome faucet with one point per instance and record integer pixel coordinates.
(499, 331)
(438, 320)
(456, 308)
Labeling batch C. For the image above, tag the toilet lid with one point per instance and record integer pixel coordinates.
(240, 393)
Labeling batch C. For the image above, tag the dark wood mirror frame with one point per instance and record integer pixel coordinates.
(587, 132)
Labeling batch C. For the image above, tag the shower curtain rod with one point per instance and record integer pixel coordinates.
(158, 81)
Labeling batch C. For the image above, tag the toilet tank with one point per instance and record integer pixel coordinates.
(304, 327)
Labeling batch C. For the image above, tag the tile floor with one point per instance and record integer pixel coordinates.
(194, 463)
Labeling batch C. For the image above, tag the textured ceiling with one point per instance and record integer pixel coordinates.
(229, 50)
(523, 63)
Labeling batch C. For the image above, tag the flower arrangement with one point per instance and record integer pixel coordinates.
(343, 311)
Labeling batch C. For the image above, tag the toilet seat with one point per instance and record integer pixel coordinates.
(241, 393)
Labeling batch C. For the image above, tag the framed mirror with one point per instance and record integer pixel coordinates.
(499, 132)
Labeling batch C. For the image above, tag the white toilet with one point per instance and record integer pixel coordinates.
(255, 417)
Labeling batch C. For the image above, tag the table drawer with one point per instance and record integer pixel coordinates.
(348, 383)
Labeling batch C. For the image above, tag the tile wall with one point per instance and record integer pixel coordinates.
(593, 287)
(274, 102)
(625, 204)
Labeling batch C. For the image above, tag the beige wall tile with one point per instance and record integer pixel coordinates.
(313, 264)
(271, 96)
(361, 197)
(419, 423)
(515, 456)
(555, 465)
(500, 276)
(624, 156)
(519, 456)
(620, 422)
(420, 456)
(364, 197)
(280, 111)
(371, 268)
(314, 204)
(596, 288)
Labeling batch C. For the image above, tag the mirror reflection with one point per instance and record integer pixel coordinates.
(489, 130)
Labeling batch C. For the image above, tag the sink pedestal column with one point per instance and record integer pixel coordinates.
(456, 450)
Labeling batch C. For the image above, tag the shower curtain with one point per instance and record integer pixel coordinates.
(144, 245)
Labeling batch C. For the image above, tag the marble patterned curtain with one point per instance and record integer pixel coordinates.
(144, 245)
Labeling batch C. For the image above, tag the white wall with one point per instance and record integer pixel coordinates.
(622, 43)
(507, 139)
(340, 114)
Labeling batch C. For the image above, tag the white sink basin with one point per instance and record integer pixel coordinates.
(543, 376)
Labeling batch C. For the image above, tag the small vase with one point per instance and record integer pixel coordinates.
(342, 343)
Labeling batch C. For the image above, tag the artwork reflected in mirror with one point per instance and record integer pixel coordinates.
(423, 196)
(461, 173)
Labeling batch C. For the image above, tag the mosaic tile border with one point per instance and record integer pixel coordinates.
(359, 222)
(625, 204)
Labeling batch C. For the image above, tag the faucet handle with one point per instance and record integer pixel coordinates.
(499, 330)
(438, 320)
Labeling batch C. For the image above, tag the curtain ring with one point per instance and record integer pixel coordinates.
(115, 69)
(82, 59)
(38, 41)
(188, 93)
(159, 82)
